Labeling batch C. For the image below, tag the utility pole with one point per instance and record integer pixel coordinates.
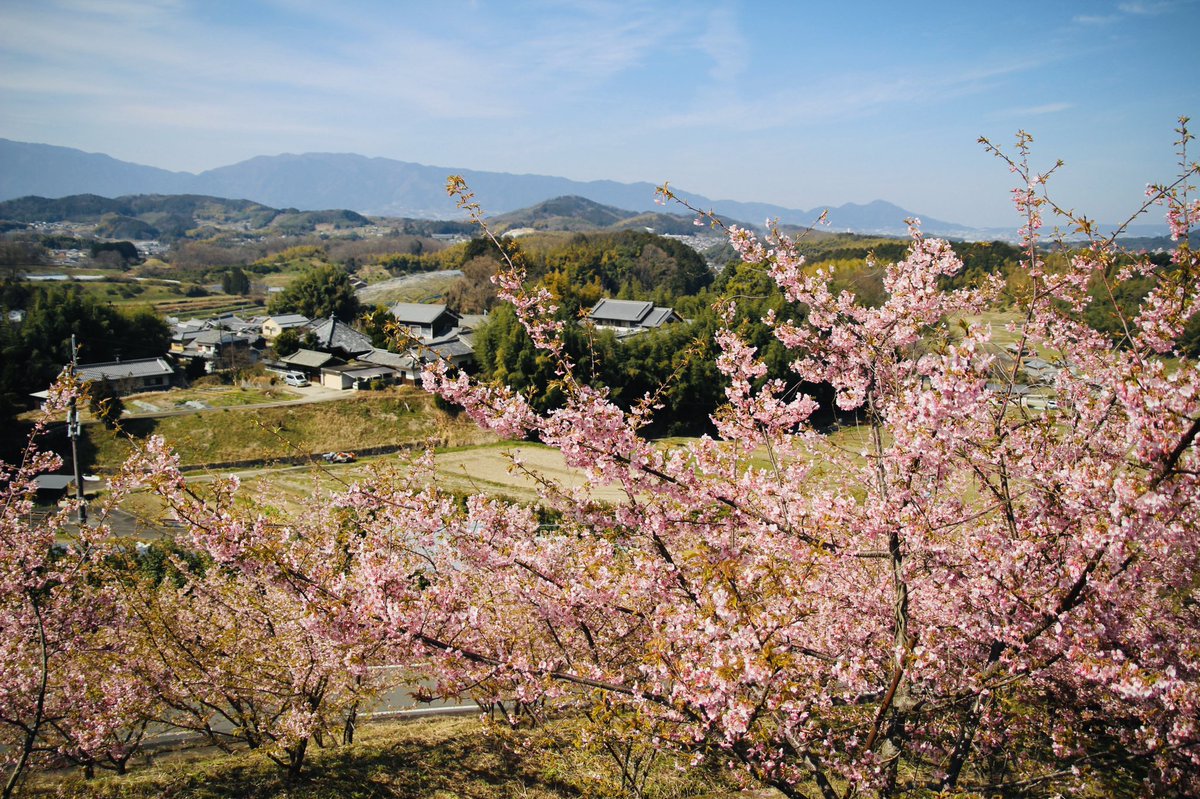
(73, 431)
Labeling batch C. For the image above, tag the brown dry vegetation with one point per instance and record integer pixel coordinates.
(399, 417)
(437, 758)
(491, 470)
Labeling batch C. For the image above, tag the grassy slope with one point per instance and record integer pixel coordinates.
(369, 419)
(442, 758)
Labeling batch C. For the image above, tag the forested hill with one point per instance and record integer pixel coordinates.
(173, 216)
(579, 214)
(170, 216)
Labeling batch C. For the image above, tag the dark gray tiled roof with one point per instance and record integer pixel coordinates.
(627, 313)
(620, 310)
(658, 316)
(309, 358)
(222, 337)
(450, 347)
(120, 370)
(361, 371)
(418, 313)
(393, 359)
(335, 334)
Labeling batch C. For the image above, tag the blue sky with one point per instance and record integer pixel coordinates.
(796, 103)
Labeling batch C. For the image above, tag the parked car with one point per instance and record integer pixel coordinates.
(297, 379)
(339, 457)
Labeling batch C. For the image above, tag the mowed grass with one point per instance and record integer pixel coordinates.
(431, 758)
(214, 396)
(999, 321)
(404, 416)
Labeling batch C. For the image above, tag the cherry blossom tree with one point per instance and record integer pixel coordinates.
(976, 597)
(983, 595)
(64, 693)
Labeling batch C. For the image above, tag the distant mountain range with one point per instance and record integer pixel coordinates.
(386, 187)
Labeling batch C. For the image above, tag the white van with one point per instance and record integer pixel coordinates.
(296, 379)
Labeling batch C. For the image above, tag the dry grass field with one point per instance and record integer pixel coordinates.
(490, 470)
(431, 759)
(404, 416)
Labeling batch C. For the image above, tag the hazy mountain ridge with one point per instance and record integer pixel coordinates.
(375, 186)
(388, 187)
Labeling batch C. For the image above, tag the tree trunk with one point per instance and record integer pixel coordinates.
(351, 725)
(296, 760)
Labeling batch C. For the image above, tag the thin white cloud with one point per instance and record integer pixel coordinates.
(217, 117)
(603, 41)
(1145, 9)
(171, 56)
(151, 51)
(49, 83)
(130, 11)
(1038, 110)
(844, 97)
(1131, 9)
(724, 43)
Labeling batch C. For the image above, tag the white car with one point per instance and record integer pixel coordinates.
(296, 379)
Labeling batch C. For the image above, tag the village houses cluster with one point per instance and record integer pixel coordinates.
(333, 353)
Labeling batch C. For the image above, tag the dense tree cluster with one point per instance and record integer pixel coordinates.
(36, 344)
(99, 640)
(318, 294)
(235, 281)
(980, 600)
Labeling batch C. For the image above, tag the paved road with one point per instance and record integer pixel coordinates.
(395, 704)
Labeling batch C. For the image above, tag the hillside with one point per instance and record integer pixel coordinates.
(579, 214)
(158, 216)
(172, 216)
(369, 420)
(562, 213)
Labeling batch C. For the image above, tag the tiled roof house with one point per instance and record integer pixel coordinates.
(631, 315)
